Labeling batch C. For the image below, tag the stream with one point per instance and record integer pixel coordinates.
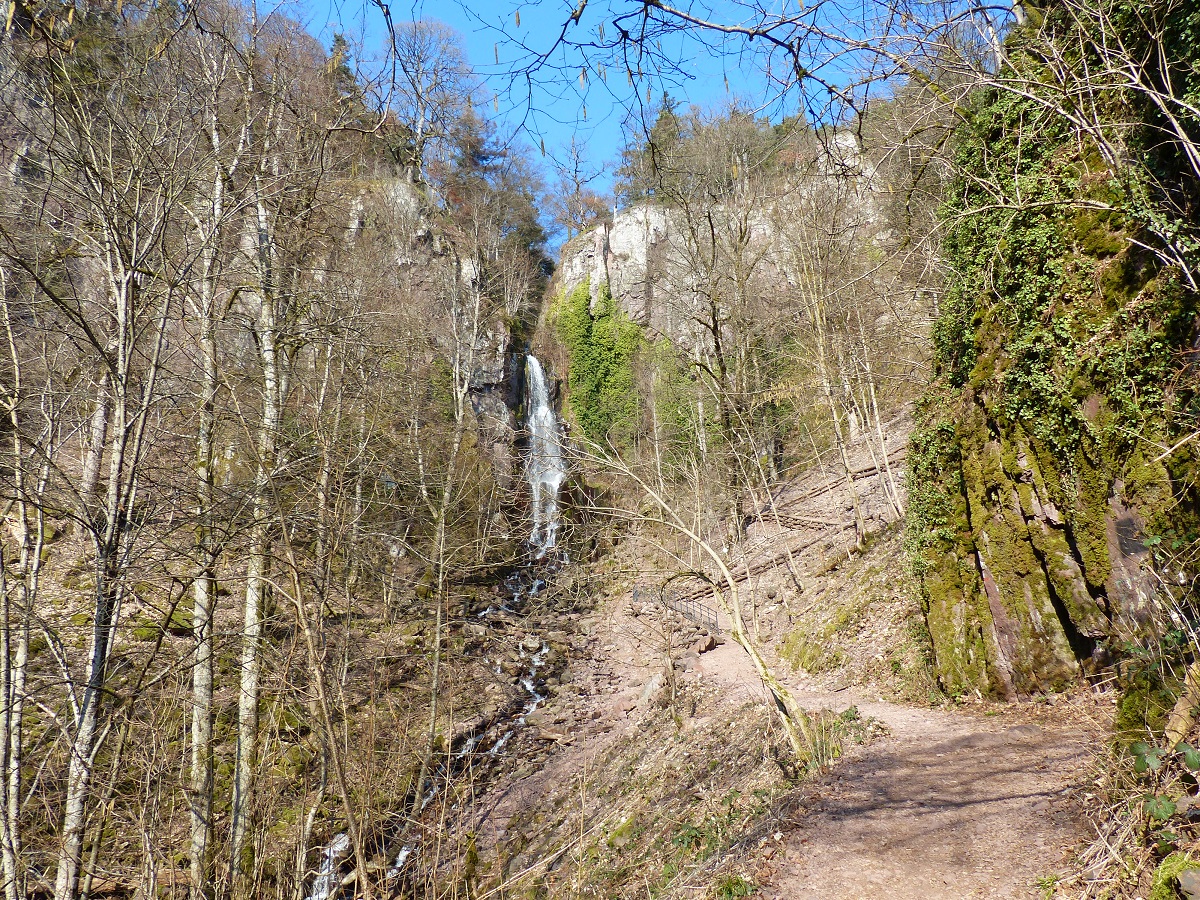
(545, 473)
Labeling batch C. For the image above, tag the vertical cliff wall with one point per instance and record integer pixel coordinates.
(1046, 502)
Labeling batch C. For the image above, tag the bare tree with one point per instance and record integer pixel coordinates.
(574, 204)
(429, 95)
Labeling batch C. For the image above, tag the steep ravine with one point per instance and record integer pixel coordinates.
(478, 747)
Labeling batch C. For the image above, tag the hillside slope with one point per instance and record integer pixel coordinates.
(655, 765)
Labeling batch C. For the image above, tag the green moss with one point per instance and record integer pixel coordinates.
(813, 655)
(1165, 885)
(817, 651)
(1059, 358)
(294, 761)
(177, 622)
(601, 343)
(1146, 702)
(1098, 233)
(732, 887)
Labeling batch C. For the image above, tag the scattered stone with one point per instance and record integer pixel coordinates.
(558, 735)
(1189, 884)
(705, 644)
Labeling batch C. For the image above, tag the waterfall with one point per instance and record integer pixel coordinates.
(544, 467)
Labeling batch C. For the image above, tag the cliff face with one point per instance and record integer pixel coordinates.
(628, 255)
(432, 266)
(658, 260)
(1050, 516)
(495, 392)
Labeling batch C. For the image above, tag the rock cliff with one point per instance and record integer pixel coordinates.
(1054, 513)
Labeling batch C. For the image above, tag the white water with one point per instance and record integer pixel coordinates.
(544, 468)
(328, 877)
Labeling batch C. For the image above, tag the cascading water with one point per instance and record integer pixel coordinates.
(545, 473)
(544, 467)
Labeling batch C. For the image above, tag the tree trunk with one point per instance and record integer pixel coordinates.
(124, 452)
(258, 558)
(97, 435)
(204, 596)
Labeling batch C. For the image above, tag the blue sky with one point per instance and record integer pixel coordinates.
(600, 111)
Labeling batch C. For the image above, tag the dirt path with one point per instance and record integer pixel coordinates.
(979, 801)
(951, 805)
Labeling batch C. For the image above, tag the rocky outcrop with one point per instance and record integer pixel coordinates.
(495, 395)
(652, 256)
(1051, 520)
(629, 255)
(419, 248)
(1040, 573)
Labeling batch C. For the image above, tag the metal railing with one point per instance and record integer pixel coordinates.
(689, 608)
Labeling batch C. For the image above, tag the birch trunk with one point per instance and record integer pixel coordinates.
(204, 589)
(97, 436)
(258, 555)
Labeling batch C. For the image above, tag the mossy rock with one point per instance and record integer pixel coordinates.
(146, 631)
(83, 582)
(177, 624)
(1165, 885)
(424, 586)
(1058, 356)
(294, 761)
(294, 718)
(1146, 702)
(812, 654)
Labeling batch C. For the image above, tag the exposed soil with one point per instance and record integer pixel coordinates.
(954, 800)
(978, 800)
(951, 805)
